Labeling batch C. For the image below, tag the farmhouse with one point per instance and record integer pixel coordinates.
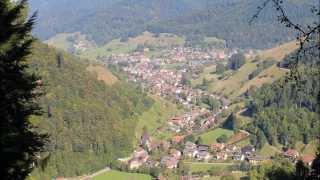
(217, 147)
(254, 160)
(221, 156)
(247, 150)
(190, 150)
(203, 156)
(308, 159)
(291, 154)
(140, 156)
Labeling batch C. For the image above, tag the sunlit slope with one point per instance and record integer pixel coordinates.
(235, 83)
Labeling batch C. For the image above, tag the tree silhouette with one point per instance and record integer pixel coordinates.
(59, 60)
(301, 170)
(20, 143)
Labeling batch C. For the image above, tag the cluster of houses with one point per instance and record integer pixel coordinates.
(197, 152)
(141, 156)
(216, 152)
(294, 156)
(168, 83)
(181, 54)
(221, 151)
(187, 121)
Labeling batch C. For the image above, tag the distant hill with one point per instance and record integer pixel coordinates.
(105, 20)
(91, 115)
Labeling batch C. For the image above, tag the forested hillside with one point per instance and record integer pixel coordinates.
(288, 110)
(103, 21)
(90, 123)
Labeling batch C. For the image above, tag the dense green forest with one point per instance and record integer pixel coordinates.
(90, 124)
(287, 111)
(103, 21)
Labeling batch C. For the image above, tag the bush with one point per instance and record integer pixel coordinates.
(222, 139)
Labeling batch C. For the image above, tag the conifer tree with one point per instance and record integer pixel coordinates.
(20, 143)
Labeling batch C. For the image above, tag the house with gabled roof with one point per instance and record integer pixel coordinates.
(217, 147)
(190, 150)
(307, 159)
(291, 154)
(248, 150)
(169, 162)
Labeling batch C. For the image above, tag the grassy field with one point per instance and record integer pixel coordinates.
(204, 167)
(117, 175)
(146, 39)
(210, 137)
(279, 52)
(208, 73)
(156, 117)
(162, 41)
(236, 175)
(267, 150)
(305, 149)
(113, 47)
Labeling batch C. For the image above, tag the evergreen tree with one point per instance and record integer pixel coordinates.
(199, 141)
(236, 61)
(301, 170)
(220, 68)
(231, 122)
(315, 167)
(59, 60)
(20, 144)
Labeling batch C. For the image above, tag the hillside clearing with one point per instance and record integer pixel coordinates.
(155, 119)
(102, 74)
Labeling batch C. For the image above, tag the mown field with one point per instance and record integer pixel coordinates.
(118, 175)
(204, 167)
(210, 137)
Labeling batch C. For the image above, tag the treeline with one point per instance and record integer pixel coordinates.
(90, 124)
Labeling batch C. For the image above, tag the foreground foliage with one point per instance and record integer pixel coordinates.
(287, 111)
